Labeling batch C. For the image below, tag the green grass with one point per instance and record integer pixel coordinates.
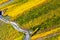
(36, 12)
(7, 32)
(7, 29)
(49, 23)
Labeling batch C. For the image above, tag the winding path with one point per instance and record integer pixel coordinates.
(15, 26)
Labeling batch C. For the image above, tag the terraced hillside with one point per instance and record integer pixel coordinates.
(40, 17)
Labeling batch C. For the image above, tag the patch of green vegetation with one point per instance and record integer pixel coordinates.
(7, 32)
(36, 12)
(19, 1)
(50, 23)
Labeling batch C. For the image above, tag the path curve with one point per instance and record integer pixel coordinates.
(15, 26)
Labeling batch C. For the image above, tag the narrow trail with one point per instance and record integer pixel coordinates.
(20, 30)
(15, 26)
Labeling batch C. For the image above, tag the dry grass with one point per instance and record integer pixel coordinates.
(45, 34)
